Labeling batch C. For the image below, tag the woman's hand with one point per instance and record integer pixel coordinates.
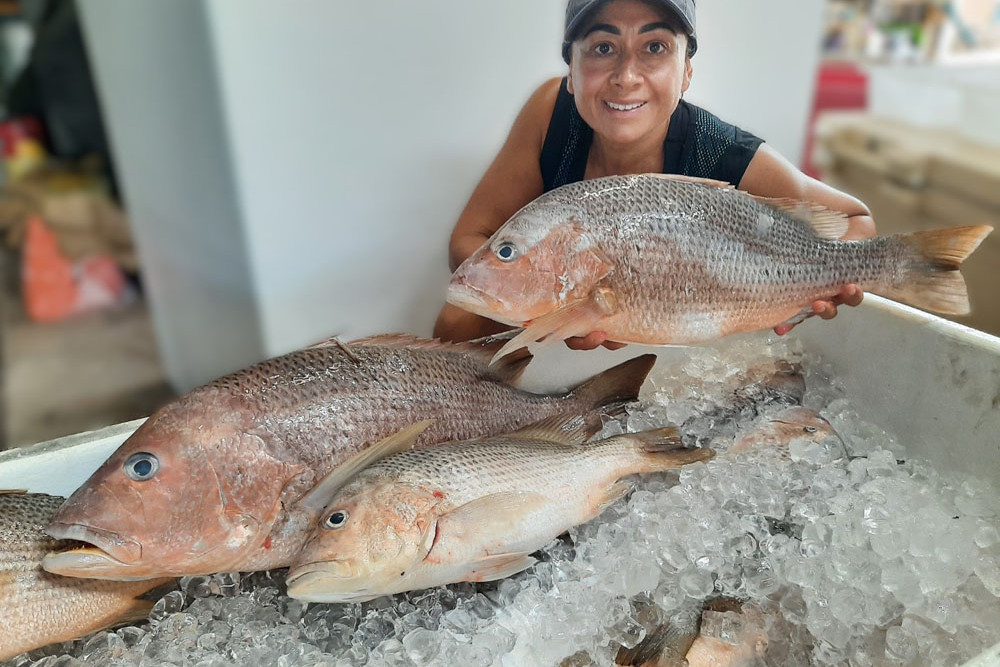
(592, 340)
(849, 295)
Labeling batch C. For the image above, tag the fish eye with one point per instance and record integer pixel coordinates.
(810, 429)
(336, 520)
(142, 466)
(506, 252)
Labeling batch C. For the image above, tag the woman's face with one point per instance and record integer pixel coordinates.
(627, 71)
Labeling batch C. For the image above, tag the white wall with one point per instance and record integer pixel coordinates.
(157, 83)
(346, 139)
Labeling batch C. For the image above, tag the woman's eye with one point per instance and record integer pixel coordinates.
(506, 252)
(336, 520)
(141, 466)
(657, 48)
(603, 48)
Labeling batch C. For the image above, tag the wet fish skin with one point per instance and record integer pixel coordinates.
(233, 457)
(661, 259)
(469, 511)
(39, 608)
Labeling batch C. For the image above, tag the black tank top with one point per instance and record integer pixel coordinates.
(697, 144)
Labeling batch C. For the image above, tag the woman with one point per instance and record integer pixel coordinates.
(620, 111)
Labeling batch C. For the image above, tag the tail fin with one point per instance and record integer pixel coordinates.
(934, 281)
(663, 449)
(609, 392)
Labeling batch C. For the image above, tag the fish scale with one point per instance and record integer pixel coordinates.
(662, 259)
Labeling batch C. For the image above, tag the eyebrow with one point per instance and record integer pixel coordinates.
(649, 27)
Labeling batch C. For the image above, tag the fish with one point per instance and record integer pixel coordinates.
(681, 640)
(211, 482)
(789, 425)
(673, 260)
(39, 608)
(471, 510)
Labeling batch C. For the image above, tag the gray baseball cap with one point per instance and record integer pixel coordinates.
(578, 11)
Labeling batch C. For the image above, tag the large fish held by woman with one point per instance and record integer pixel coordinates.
(209, 483)
(672, 260)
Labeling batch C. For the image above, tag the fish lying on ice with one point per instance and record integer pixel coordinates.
(661, 259)
(682, 640)
(466, 511)
(209, 483)
(38, 608)
(793, 424)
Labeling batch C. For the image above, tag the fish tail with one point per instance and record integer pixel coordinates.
(932, 280)
(609, 392)
(662, 449)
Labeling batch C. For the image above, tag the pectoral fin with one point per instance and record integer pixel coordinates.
(485, 518)
(498, 567)
(574, 319)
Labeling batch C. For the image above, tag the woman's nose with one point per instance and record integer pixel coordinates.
(627, 70)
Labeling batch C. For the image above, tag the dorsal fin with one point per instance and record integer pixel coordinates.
(560, 429)
(334, 341)
(323, 492)
(707, 182)
(508, 370)
(825, 222)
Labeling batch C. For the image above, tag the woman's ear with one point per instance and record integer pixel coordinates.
(569, 79)
(687, 74)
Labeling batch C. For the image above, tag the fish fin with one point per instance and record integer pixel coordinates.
(613, 494)
(499, 566)
(484, 348)
(800, 316)
(495, 514)
(574, 319)
(663, 450)
(668, 643)
(137, 611)
(933, 281)
(825, 223)
(609, 392)
(559, 429)
(323, 492)
(707, 182)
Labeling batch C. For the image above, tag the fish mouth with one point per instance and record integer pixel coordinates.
(476, 301)
(105, 552)
(324, 582)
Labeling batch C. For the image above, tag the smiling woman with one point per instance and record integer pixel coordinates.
(620, 111)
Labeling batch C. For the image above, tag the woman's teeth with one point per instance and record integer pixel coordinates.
(624, 107)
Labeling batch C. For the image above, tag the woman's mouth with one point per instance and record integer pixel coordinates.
(624, 106)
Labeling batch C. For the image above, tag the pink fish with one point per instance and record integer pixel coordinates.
(671, 260)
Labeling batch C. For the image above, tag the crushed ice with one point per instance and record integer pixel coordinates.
(869, 558)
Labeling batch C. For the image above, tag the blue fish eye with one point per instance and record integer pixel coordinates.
(141, 466)
(506, 252)
(336, 520)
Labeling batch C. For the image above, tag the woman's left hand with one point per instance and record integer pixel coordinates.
(850, 295)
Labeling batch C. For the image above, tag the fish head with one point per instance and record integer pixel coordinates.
(538, 261)
(188, 493)
(364, 543)
(796, 424)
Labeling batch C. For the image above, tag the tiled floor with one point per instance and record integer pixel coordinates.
(76, 375)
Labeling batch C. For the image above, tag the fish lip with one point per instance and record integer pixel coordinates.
(320, 567)
(479, 302)
(114, 547)
(306, 583)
